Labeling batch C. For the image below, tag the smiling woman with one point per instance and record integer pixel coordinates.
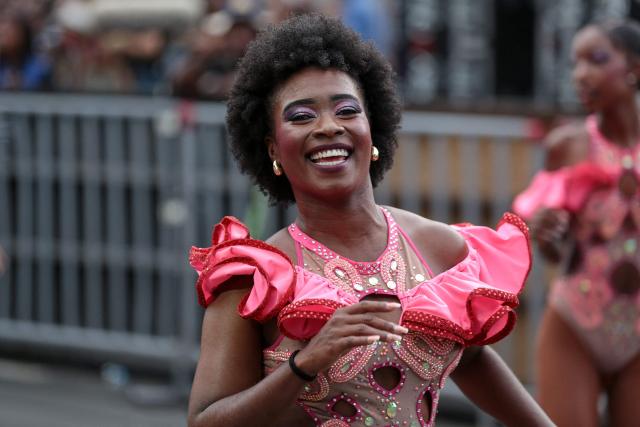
(355, 314)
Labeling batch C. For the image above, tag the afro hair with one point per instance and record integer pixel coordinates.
(279, 52)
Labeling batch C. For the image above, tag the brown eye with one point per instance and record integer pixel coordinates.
(347, 111)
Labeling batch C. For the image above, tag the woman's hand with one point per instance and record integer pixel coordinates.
(548, 228)
(349, 327)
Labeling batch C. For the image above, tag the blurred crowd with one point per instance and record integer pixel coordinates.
(185, 48)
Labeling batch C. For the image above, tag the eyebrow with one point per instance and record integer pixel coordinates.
(310, 101)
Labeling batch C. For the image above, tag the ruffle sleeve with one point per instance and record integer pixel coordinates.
(316, 301)
(233, 253)
(565, 188)
(473, 302)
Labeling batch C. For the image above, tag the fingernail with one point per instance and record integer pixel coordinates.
(394, 305)
(401, 329)
(373, 338)
(394, 337)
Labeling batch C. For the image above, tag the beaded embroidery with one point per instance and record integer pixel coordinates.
(363, 268)
(423, 358)
(349, 365)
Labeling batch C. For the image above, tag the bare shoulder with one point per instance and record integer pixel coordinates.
(440, 244)
(283, 241)
(566, 145)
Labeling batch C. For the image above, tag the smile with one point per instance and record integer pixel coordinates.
(331, 157)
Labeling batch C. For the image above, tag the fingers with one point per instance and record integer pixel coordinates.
(551, 225)
(346, 343)
(376, 322)
(389, 333)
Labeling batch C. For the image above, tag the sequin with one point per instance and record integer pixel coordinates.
(630, 246)
(584, 286)
(392, 409)
(424, 360)
(364, 268)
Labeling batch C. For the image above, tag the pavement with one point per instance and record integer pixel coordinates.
(51, 395)
(42, 395)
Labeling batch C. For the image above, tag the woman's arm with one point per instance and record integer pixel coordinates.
(229, 388)
(564, 146)
(484, 377)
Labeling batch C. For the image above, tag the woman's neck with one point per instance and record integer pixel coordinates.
(620, 124)
(355, 228)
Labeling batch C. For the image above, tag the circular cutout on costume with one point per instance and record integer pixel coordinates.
(625, 278)
(387, 378)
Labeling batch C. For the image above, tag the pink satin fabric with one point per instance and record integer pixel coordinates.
(471, 303)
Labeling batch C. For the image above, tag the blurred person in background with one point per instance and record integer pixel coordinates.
(295, 334)
(144, 53)
(584, 210)
(213, 49)
(84, 59)
(372, 20)
(21, 67)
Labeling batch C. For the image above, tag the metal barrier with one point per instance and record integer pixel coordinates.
(101, 198)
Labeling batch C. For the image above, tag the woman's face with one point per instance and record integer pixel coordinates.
(321, 134)
(600, 71)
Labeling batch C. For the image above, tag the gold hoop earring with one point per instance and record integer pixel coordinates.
(375, 154)
(277, 169)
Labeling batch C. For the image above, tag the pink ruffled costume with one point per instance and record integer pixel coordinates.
(598, 293)
(470, 304)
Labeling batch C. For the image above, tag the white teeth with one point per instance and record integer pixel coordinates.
(332, 162)
(339, 152)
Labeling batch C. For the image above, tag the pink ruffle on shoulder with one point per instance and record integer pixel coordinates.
(234, 253)
(565, 188)
(473, 302)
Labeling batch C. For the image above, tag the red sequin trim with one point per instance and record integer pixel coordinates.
(363, 268)
(377, 387)
(334, 423)
(343, 418)
(204, 256)
(315, 390)
(515, 220)
(435, 397)
(450, 368)
(430, 324)
(296, 310)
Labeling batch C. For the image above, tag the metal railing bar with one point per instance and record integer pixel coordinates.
(68, 220)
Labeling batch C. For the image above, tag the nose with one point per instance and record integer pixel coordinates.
(579, 72)
(328, 126)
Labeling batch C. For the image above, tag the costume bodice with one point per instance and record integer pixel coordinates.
(471, 303)
(421, 363)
